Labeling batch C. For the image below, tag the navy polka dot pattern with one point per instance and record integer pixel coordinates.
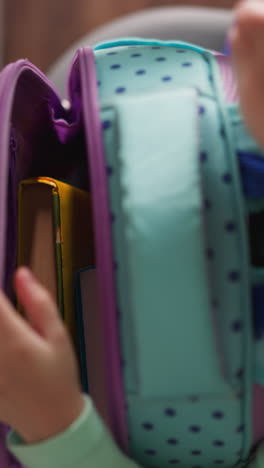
(240, 373)
(172, 441)
(125, 63)
(207, 204)
(230, 226)
(170, 412)
(210, 253)
(121, 89)
(196, 452)
(140, 72)
(222, 132)
(193, 398)
(219, 443)
(215, 303)
(150, 452)
(233, 276)
(218, 414)
(195, 429)
(109, 171)
(106, 124)
(225, 225)
(241, 428)
(203, 156)
(237, 326)
(227, 178)
(147, 426)
(190, 430)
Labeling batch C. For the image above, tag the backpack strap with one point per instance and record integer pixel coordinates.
(163, 243)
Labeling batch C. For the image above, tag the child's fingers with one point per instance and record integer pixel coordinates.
(39, 306)
(239, 52)
(246, 37)
(246, 40)
(248, 16)
(12, 326)
(240, 40)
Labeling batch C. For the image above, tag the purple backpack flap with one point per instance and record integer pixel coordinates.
(38, 137)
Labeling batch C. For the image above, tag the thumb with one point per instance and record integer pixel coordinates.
(37, 302)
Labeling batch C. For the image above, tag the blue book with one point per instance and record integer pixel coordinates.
(90, 331)
(80, 329)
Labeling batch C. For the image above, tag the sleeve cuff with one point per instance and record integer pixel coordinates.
(71, 448)
(256, 460)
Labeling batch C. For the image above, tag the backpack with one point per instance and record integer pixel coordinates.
(172, 336)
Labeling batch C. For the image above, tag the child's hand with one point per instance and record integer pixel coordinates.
(40, 392)
(247, 40)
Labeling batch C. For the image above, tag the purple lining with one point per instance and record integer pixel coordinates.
(103, 240)
(8, 86)
(65, 131)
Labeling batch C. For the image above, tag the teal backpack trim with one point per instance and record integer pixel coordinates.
(134, 41)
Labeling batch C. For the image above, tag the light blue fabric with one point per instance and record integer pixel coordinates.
(86, 443)
(164, 244)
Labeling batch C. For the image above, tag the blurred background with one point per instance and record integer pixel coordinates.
(41, 30)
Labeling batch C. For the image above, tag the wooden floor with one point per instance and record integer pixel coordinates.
(41, 30)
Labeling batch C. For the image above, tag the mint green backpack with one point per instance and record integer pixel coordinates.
(178, 199)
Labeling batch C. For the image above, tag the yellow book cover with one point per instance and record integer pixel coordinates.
(55, 238)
